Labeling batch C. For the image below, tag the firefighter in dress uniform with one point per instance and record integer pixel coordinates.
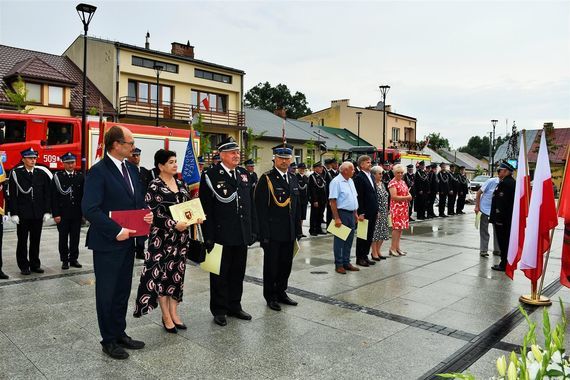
(226, 195)
(462, 190)
(387, 174)
(303, 182)
(66, 196)
(250, 167)
(442, 188)
(330, 171)
(502, 211)
(279, 214)
(453, 188)
(317, 198)
(410, 179)
(433, 190)
(30, 199)
(421, 186)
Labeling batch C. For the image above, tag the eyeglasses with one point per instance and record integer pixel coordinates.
(131, 143)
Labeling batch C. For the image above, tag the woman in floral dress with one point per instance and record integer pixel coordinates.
(399, 199)
(162, 277)
(381, 231)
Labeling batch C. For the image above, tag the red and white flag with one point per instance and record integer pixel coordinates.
(520, 212)
(564, 212)
(541, 216)
(206, 104)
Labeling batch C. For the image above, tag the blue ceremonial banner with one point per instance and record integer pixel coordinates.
(190, 171)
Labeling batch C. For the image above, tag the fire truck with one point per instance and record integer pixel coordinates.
(52, 136)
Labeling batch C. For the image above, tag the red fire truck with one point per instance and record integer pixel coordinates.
(52, 136)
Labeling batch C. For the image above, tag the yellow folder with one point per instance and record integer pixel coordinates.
(362, 229)
(477, 220)
(213, 260)
(341, 232)
(296, 247)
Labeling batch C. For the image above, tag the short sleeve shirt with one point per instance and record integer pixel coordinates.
(344, 192)
(487, 190)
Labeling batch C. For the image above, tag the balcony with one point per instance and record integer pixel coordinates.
(179, 112)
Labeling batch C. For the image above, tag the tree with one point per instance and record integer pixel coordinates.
(436, 141)
(17, 94)
(265, 97)
(250, 142)
(477, 146)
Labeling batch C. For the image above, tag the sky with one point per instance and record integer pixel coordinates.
(452, 65)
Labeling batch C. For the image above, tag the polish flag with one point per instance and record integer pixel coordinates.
(206, 104)
(541, 217)
(520, 212)
(564, 212)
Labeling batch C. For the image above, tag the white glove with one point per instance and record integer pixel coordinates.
(46, 216)
(5, 218)
(15, 219)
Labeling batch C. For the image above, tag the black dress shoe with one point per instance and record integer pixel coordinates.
(303, 235)
(362, 262)
(313, 234)
(180, 326)
(128, 342)
(382, 257)
(498, 268)
(287, 301)
(370, 262)
(376, 258)
(115, 351)
(220, 320)
(65, 265)
(273, 305)
(171, 330)
(37, 270)
(240, 315)
(76, 264)
(25, 272)
(3, 276)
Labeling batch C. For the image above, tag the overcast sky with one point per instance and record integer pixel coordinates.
(452, 65)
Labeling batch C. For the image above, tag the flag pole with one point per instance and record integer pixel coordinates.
(552, 231)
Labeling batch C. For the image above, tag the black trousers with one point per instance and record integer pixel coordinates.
(1, 238)
(461, 202)
(329, 214)
(441, 205)
(113, 278)
(363, 246)
(69, 229)
(411, 207)
(316, 218)
(420, 203)
(31, 228)
(430, 203)
(503, 235)
(227, 288)
(277, 263)
(451, 203)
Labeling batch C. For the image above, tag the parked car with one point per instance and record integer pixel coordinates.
(477, 182)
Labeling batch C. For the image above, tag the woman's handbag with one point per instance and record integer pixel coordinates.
(196, 248)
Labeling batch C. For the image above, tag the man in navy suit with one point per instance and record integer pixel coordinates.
(113, 184)
(367, 205)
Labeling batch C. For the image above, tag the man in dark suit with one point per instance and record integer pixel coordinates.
(226, 195)
(113, 184)
(367, 206)
(421, 186)
(303, 181)
(145, 176)
(30, 200)
(66, 196)
(279, 215)
(443, 188)
(502, 211)
(462, 190)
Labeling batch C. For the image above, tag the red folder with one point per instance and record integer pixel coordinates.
(133, 220)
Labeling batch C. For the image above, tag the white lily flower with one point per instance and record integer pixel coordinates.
(502, 365)
(512, 372)
(556, 357)
(536, 352)
(533, 369)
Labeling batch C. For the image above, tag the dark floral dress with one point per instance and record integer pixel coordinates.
(381, 231)
(165, 259)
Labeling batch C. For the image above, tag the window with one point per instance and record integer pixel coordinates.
(150, 63)
(34, 92)
(212, 76)
(55, 95)
(254, 153)
(14, 130)
(59, 133)
(216, 102)
(395, 135)
(143, 92)
(298, 155)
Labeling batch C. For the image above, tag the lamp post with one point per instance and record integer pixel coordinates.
(85, 12)
(384, 90)
(158, 69)
(494, 122)
(358, 114)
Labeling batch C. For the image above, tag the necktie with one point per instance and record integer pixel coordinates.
(233, 175)
(126, 177)
(285, 178)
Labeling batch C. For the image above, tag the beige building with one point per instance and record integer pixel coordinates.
(127, 75)
(400, 129)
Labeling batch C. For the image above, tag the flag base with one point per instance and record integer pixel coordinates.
(540, 301)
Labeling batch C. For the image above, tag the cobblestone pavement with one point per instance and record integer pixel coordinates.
(440, 308)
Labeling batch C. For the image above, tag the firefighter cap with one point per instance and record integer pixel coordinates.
(283, 150)
(29, 153)
(228, 145)
(68, 157)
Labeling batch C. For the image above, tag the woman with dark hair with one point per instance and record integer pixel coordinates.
(162, 277)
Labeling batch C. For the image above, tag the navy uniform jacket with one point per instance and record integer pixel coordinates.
(317, 189)
(303, 182)
(24, 205)
(387, 176)
(67, 195)
(421, 182)
(228, 222)
(106, 190)
(410, 182)
(433, 182)
(463, 184)
(454, 183)
(278, 223)
(367, 196)
(444, 182)
(253, 178)
(502, 202)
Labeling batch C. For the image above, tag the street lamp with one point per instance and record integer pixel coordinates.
(494, 122)
(384, 90)
(158, 69)
(85, 12)
(358, 114)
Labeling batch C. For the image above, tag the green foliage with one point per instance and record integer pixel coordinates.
(93, 111)
(479, 170)
(250, 145)
(205, 145)
(265, 97)
(17, 95)
(436, 141)
(310, 145)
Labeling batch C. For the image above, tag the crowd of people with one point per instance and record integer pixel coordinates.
(241, 208)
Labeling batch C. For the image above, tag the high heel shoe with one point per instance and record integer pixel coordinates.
(401, 253)
(376, 258)
(180, 326)
(172, 330)
(393, 253)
